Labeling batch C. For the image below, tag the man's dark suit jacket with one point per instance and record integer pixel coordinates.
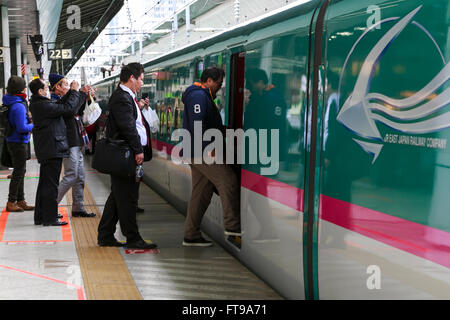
(121, 123)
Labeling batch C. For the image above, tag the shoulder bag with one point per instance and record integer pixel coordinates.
(114, 157)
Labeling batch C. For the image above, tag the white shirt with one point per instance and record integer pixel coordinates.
(139, 124)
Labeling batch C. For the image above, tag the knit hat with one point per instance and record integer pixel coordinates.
(54, 78)
(16, 85)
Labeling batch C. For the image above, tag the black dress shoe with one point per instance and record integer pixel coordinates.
(37, 223)
(82, 214)
(110, 243)
(139, 210)
(55, 223)
(141, 244)
(59, 216)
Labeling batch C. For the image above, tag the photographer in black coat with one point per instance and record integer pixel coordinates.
(125, 122)
(50, 145)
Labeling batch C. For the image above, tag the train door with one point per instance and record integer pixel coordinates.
(236, 100)
(235, 114)
(236, 106)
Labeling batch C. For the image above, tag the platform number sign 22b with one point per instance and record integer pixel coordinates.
(58, 54)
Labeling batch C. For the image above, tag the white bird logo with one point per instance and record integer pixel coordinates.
(356, 113)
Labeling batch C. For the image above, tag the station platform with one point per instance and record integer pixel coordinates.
(65, 263)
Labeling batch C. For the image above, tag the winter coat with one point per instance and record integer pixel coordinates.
(17, 116)
(121, 123)
(49, 132)
(199, 106)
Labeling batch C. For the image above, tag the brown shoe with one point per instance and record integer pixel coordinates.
(13, 207)
(23, 204)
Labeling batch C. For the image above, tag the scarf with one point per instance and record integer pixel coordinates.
(82, 131)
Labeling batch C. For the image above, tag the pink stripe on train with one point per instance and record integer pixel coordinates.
(423, 241)
(275, 190)
(420, 240)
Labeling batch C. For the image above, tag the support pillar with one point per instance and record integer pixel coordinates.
(27, 76)
(5, 67)
(18, 57)
(5, 73)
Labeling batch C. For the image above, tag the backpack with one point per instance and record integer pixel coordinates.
(6, 129)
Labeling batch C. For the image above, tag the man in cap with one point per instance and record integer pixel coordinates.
(77, 138)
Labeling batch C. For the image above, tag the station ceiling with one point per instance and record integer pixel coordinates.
(23, 20)
(49, 18)
(95, 16)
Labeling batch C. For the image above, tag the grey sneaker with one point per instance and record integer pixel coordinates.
(199, 242)
(236, 232)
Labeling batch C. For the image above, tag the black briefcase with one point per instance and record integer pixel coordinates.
(114, 157)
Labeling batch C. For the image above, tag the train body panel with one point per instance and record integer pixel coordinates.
(354, 266)
(353, 206)
(384, 163)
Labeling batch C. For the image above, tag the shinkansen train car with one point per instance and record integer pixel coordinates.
(351, 200)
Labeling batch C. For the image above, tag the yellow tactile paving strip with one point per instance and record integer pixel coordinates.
(105, 274)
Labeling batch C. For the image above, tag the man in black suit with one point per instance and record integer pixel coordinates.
(125, 122)
(50, 145)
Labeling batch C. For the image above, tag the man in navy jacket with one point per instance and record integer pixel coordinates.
(17, 142)
(199, 107)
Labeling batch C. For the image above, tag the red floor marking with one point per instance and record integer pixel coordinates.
(65, 230)
(80, 294)
(3, 220)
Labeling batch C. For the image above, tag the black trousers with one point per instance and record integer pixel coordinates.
(46, 208)
(92, 138)
(120, 207)
(19, 155)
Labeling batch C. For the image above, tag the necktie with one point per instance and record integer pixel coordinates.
(143, 123)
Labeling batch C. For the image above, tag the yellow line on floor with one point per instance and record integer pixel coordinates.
(105, 274)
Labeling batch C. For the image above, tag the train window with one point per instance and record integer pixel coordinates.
(274, 99)
(199, 70)
(168, 87)
(218, 60)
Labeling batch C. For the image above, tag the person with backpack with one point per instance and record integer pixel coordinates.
(17, 140)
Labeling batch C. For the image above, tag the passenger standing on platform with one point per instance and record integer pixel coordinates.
(77, 138)
(125, 121)
(50, 145)
(17, 142)
(199, 106)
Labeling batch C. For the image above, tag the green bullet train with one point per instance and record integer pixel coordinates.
(353, 199)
